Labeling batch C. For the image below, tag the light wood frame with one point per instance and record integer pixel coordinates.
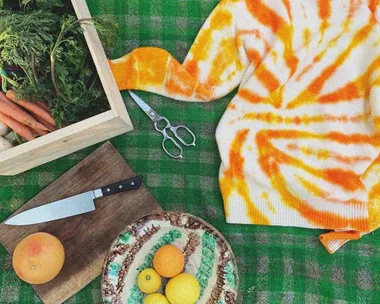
(79, 135)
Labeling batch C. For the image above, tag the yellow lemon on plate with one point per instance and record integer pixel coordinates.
(183, 289)
(156, 298)
(149, 281)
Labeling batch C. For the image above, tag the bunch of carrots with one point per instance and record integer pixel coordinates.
(28, 119)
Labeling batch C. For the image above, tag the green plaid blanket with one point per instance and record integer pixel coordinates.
(277, 265)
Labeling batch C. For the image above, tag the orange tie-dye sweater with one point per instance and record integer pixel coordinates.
(300, 141)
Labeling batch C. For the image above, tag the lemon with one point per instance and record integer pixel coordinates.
(149, 280)
(156, 298)
(183, 289)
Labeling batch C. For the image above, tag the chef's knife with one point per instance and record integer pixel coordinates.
(75, 205)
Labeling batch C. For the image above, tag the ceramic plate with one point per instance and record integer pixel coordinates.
(208, 257)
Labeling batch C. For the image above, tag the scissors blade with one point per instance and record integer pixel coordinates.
(142, 104)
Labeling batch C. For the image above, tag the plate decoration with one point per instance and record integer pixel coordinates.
(208, 257)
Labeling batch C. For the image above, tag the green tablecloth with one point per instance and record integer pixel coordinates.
(277, 265)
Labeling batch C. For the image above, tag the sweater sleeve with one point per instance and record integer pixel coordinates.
(336, 239)
(214, 66)
(374, 6)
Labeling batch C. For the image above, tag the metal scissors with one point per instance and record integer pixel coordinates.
(157, 119)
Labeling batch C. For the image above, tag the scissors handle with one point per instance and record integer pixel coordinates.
(186, 129)
(167, 137)
(174, 130)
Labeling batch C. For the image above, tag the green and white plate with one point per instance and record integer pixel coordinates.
(208, 257)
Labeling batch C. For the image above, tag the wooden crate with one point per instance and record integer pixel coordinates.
(79, 135)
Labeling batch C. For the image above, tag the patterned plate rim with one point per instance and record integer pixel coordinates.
(167, 216)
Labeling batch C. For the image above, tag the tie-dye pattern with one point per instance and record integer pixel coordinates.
(300, 141)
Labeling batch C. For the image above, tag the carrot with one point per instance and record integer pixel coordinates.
(43, 105)
(44, 122)
(32, 107)
(14, 111)
(18, 127)
(40, 132)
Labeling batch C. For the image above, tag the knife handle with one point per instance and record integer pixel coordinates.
(129, 184)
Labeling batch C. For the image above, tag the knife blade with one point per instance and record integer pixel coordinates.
(71, 206)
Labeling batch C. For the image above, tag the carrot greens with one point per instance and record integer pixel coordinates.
(44, 56)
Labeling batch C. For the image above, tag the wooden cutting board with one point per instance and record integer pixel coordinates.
(86, 238)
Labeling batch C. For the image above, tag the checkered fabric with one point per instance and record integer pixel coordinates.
(277, 265)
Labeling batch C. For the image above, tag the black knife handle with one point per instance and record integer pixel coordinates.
(129, 184)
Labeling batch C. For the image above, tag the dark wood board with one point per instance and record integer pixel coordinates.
(86, 238)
